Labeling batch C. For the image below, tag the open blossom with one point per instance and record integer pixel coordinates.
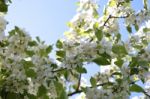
(3, 24)
(148, 48)
(26, 67)
(81, 96)
(2, 36)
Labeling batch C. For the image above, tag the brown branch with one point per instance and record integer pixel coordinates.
(79, 91)
(79, 82)
(146, 94)
(58, 70)
(110, 16)
(107, 20)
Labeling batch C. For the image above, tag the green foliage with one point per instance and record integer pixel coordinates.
(120, 50)
(59, 44)
(21, 56)
(129, 29)
(136, 88)
(99, 34)
(60, 91)
(93, 82)
(81, 69)
(101, 61)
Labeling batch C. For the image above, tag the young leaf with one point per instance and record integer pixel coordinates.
(129, 29)
(81, 69)
(99, 34)
(119, 62)
(119, 49)
(59, 44)
(30, 73)
(48, 49)
(3, 7)
(93, 81)
(136, 88)
(101, 61)
(60, 53)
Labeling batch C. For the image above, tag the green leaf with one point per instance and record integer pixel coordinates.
(60, 53)
(38, 39)
(81, 69)
(117, 73)
(101, 61)
(95, 13)
(30, 73)
(119, 62)
(48, 49)
(12, 32)
(99, 34)
(136, 27)
(105, 55)
(129, 29)
(29, 53)
(19, 31)
(61, 93)
(119, 49)
(32, 43)
(112, 3)
(30, 96)
(118, 37)
(93, 82)
(143, 63)
(145, 4)
(3, 7)
(134, 62)
(134, 71)
(96, 25)
(136, 88)
(27, 64)
(59, 44)
(11, 96)
(42, 91)
(146, 30)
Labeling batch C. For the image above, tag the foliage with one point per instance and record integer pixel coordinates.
(27, 71)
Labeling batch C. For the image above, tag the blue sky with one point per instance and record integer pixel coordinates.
(47, 18)
(44, 18)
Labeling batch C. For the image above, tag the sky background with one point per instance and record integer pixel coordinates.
(47, 19)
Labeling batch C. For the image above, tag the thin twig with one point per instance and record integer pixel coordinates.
(79, 82)
(79, 91)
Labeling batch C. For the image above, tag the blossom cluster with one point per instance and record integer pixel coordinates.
(27, 71)
(94, 38)
(25, 65)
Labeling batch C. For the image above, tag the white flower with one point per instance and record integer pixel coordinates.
(83, 82)
(135, 97)
(2, 35)
(81, 96)
(148, 48)
(147, 76)
(3, 23)
(130, 20)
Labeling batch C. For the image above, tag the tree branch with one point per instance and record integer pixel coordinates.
(79, 82)
(58, 70)
(79, 91)
(110, 16)
(146, 94)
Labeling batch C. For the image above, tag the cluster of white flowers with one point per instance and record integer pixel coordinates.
(138, 18)
(24, 63)
(3, 24)
(82, 45)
